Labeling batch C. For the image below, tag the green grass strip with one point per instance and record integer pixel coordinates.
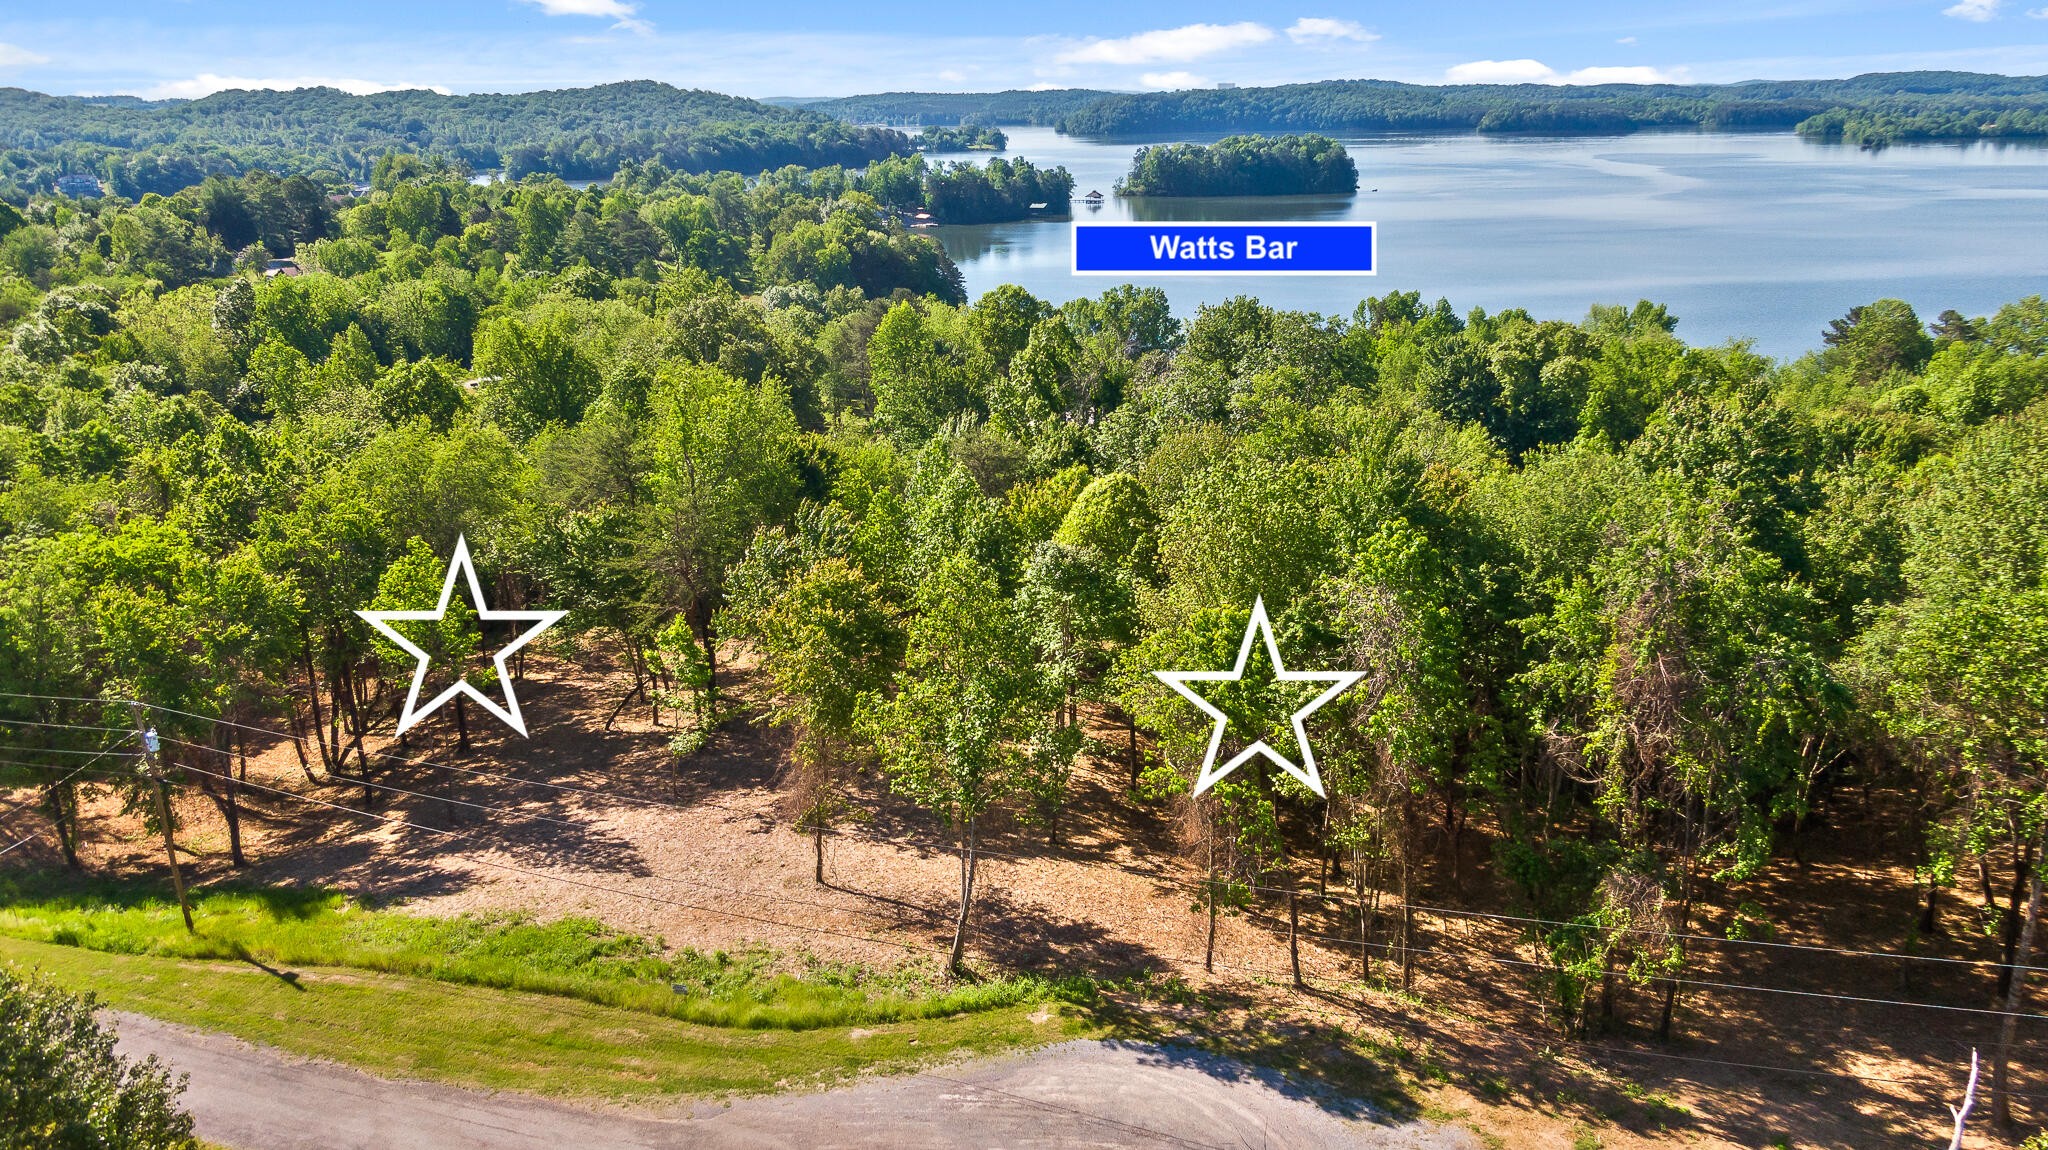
(570, 957)
(399, 1026)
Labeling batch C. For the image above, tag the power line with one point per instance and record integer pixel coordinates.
(104, 751)
(33, 836)
(1714, 985)
(63, 751)
(1348, 943)
(1196, 886)
(61, 726)
(1695, 983)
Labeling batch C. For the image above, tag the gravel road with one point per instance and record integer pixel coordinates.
(1075, 1094)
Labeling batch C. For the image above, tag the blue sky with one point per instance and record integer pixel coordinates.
(162, 48)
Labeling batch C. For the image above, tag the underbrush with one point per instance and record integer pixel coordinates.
(570, 957)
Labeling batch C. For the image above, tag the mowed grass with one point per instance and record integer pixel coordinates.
(572, 957)
(401, 1026)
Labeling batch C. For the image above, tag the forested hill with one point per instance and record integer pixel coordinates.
(1948, 104)
(141, 146)
(1016, 106)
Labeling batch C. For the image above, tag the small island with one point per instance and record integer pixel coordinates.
(1294, 165)
(964, 193)
(961, 138)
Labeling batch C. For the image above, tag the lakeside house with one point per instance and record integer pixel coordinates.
(79, 186)
(275, 268)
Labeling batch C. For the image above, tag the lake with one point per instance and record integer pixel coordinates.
(1756, 236)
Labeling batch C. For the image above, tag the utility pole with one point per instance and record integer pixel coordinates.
(150, 746)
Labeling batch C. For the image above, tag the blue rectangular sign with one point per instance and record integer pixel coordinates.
(1333, 248)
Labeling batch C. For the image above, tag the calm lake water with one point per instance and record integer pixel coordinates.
(1765, 237)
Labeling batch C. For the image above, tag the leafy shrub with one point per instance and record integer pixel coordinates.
(62, 1087)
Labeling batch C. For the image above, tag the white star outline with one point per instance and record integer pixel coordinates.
(1339, 681)
(382, 620)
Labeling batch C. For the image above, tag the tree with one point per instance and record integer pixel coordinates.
(1113, 517)
(1878, 338)
(826, 637)
(1081, 608)
(968, 724)
(1958, 671)
(63, 1087)
(413, 583)
(425, 390)
(1680, 680)
(720, 454)
(916, 385)
(250, 618)
(541, 375)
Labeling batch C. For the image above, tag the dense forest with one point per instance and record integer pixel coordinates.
(964, 193)
(1243, 166)
(1988, 106)
(970, 109)
(1639, 613)
(1889, 123)
(136, 147)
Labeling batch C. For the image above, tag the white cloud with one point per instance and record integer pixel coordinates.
(206, 84)
(1173, 81)
(1175, 45)
(1977, 10)
(953, 76)
(12, 56)
(622, 14)
(2038, 13)
(1629, 40)
(1310, 29)
(1501, 72)
(1537, 72)
(1635, 74)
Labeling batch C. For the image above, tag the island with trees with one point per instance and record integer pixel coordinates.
(1250, 165)
(964, 193)
(1885, 124)
(984, 138)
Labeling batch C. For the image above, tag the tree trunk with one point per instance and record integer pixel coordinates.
(342, 690)
(230, 806)
(462, 724)
(63, 809)
(2015, 995)
(624, 699)
(1364, 919)
(710, 676)
(327, 760)
(299, 740)
(1930, 910)
(2023, 865)
(818, 851)
(1209, 951)
(1607, 994)
(1294, 933)
(1671, 985)
(1131, 748)
(967, 865)
(1452, 846)
(1407, 895)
